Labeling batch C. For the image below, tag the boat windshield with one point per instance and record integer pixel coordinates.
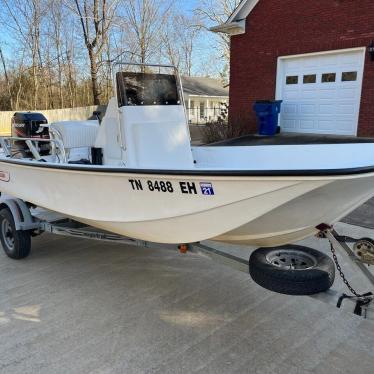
(143, 88)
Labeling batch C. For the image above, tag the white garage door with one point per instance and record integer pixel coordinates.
(321, 93)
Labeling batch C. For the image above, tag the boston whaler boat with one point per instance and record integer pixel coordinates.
(137, 175)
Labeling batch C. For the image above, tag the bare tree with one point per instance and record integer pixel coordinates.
(144, 23)
(215, 12)
(51, 39)
(70, 70)
(96, 18)
(56, 20)
(187, 40)
(168, 47)
(7, 79)
(25, 19)
(178, 41)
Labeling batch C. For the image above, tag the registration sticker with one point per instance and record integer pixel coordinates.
(206, 188)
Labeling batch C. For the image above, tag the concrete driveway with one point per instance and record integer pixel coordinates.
(78, 306)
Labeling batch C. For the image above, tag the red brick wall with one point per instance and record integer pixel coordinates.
(288, 27)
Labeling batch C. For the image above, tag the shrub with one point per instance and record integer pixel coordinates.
(222, 129)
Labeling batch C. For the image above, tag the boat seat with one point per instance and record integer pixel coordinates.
(78, 137)
(75, 134)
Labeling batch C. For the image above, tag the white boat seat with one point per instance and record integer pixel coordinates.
(77, 137)
(75, 134)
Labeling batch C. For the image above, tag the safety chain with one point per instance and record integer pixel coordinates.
(338, 267)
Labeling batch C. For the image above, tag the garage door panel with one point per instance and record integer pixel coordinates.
(309, 94)
(321, 93)
(348, 93)
(327, 92)
(307, 124)
(293, 65)
(327, 109)
(328, 61)
(327, 125)
(307, 109)
(310, 64)
(349, 59)
(289, 124)
(291, 95)
(345, 125)
(348, 108)
(290, 109)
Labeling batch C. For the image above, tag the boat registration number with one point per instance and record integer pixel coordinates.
(184, 187)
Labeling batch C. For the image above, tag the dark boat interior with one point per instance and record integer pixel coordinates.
(290, 139)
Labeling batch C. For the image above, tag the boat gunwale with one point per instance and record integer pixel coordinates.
(202, 172)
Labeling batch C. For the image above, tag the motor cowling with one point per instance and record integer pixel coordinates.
(29, 125)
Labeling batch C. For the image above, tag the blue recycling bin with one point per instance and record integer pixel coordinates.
(267, 112)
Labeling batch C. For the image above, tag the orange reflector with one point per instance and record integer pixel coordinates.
(183, 248)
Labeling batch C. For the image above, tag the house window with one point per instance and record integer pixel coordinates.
(292, 79)
(328, 77)
(349, 76)
(191, 109)
(310, 78)
(202, 110)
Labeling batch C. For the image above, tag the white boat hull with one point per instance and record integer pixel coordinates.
(264, 211)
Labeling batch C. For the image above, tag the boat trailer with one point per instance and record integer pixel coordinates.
(34, 221)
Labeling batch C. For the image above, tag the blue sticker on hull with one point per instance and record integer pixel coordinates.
(207, 188)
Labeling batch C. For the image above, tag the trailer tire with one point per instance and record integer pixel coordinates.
(16, 243)
(292, 270)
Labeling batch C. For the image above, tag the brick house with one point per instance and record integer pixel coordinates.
(315, 55)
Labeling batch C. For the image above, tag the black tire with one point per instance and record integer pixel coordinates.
(16, 244)
(315, 273)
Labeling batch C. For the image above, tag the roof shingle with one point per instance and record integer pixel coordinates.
(203, 87)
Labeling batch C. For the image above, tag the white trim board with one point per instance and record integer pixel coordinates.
(235, 25)
(243, 10)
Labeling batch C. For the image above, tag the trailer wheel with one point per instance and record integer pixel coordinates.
(16, 244)
(292, 270)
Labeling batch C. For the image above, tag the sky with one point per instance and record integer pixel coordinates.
(189, 5)
(205, 52)
(206, 60)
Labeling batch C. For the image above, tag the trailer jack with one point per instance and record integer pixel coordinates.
(362, 256)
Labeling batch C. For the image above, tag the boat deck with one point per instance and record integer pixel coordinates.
(291, 139)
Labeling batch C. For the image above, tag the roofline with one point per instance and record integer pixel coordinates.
(214, 96)
(250, 5)
(236, 23)
(232, 28)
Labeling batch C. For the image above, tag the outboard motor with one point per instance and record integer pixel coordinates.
(29, 125)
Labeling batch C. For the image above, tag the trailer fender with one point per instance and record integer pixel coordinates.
(21, 213)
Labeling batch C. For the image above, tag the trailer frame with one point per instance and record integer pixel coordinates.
(36, 220)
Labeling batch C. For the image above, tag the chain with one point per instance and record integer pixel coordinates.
(338, 267)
